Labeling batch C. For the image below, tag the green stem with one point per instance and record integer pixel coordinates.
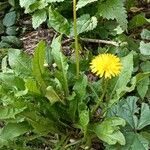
(76, 38)
(100, 101)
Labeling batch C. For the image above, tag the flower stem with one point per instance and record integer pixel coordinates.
(76, 39)
(100, 101)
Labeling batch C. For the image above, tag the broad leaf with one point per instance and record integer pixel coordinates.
(41, 125)
(52, 96)
(12, 40)
(138, 20)
(26, 3)
(85, 23)
(135, 142)
(9, 112)
(9, 19)
(145, 66)
(114, 9)
(73, 106)
(144, 117)
(145, 34)
(118, 86)
(11, 131)
(11, 30)
(82, 3)
(141, 76)
(142, 87)
(38, 64)
(36, 6)
(84, 120)
(11, 82)
(4, 64)
(145, 48)
(53, 1)
(61, 62)
(32, 86)
(19, 62)
(126, 109)
(58, 22)
(80, 88)
(108, 130)
(38, 18)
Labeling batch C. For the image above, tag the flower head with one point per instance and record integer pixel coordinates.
(106, 65)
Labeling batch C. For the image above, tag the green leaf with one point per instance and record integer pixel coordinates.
(4, 65)
(131, 43)
(53, 1)
(61, 62)
(21, 93)
(10, 81)
(40, 124)
(118, 86)
(11, 131)
(13, 40)
(108, 130)
(52, 96)
(114, 9)
(7, 112)
(38, 59)
(145, 34)
(31, 86)
(26, 3)
(38, 18)
(144, 117)
(41, 4)
(58, 22)
(49, 57)
(141, 76)
(142, 87)
(146, 135)
(82, 3)
(9, 19)
(73, 106)
(80, 87)
(11, 30)
(84, 119)
(135, 141)
(145, 48)
(35, 5)
(20, 62)
(145, 66)
(4, 45)
(38, 64)
(138, 20)
(12, 2)
(126, 109)
(85, 23)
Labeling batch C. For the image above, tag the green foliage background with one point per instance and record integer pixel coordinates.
(47, 106)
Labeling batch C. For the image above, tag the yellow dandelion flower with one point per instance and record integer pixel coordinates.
(106, 65)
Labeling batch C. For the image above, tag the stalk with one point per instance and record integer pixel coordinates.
(76, 39)
(100, 101)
